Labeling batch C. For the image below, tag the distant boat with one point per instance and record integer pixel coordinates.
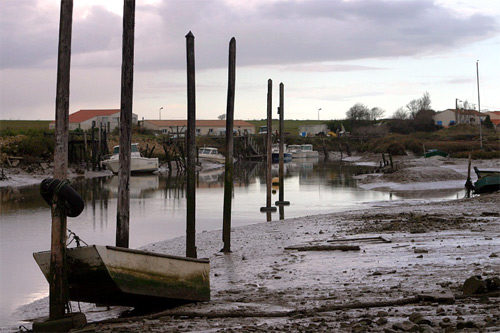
(308, 151)
(211, 154)
(138, 163)
(435, 152)
(487, 181)
(296, 151)
(275, 154)
(119, 276)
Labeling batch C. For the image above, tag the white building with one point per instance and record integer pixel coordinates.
(83, 119)
(452, 117)
(203, 127)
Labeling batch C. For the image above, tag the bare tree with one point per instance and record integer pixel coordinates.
(222, 117)
(358, 111)
(468, 105)
(425, 102)
(401, 114)
(376, 113)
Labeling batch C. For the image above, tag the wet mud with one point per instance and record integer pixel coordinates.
(407, 276)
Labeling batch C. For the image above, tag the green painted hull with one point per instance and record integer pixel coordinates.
(435, 152)
(118, 276)
(487, 183)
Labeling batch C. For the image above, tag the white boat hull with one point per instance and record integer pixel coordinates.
(137, 165)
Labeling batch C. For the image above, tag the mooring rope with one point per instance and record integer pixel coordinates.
(76, 238)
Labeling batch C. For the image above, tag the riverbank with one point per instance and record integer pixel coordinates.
(262, 286)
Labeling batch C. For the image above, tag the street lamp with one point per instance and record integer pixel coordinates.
(160, 111)
(318, 113)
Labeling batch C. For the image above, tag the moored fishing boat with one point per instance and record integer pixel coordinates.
(211, 154)
(138, 163)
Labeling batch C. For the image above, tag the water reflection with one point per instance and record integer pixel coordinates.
(158, 212)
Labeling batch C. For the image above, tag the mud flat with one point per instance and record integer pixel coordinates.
(399, 266)
(408, 274)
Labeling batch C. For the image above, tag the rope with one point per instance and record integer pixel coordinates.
(74, 237)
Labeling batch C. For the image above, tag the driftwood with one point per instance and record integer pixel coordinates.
(324, 247)
(361, 239)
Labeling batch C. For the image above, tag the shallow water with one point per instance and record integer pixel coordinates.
(158, 212)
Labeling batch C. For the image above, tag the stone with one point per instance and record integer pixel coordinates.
(444, 297)
(474, 285)
(419, 319)
(465, 324)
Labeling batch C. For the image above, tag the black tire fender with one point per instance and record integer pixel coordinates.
(71, 199)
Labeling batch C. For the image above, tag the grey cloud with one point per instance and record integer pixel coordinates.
(276, 33)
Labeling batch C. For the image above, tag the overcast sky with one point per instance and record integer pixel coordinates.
(329, 54)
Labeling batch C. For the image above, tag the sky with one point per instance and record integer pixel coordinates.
(329, 54)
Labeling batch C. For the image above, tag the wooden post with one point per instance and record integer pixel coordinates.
(228, 175)
(281, 112)
(92, 137)
(269, 155)
(58, 296)
(468, 183)
(191, 150)
(127, 84)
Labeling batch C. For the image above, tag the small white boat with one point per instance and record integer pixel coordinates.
(296, 151)
(307, 150)
(212, 154)
(138, 163)
(118, 276)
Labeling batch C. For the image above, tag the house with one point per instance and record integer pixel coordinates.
(107, 118)
(495, 118)
(203, 127)
(452, 117)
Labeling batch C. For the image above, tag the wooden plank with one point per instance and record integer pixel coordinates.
(361, 239)
(324, 247)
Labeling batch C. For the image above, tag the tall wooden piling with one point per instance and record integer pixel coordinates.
(127, 83)
(58, 296)
(191, 150)
(269, 142)
(281, 111)
(228, 175)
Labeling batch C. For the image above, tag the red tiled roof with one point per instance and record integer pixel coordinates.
(199, 123)
(466, 112)
(83, 115)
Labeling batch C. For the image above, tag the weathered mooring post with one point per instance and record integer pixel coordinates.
(127, 84)
(228, 175)
(281, 111)
(191, 150)
(58, 296)
(269, 155)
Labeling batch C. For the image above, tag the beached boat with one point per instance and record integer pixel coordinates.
(118, 276)
(211, 154)
(138, 163)
(435, 152)
(487, 181)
